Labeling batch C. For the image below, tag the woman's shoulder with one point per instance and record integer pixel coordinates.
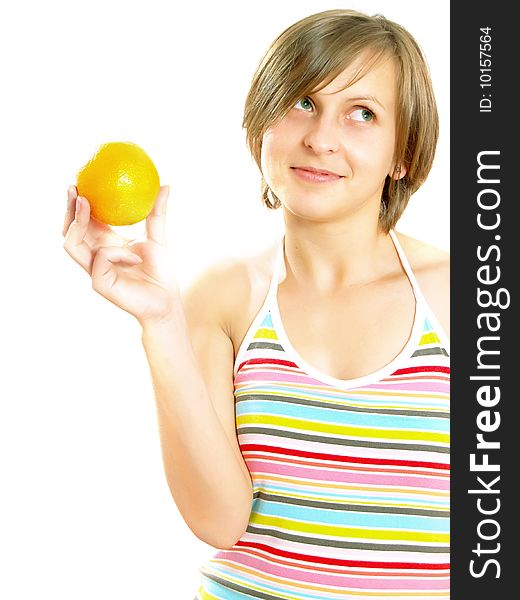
(230, 291)
(431, 267)
(423, 256)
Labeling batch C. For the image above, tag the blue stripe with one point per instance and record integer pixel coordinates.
(344, 417)
(267, 322)
(351, 519)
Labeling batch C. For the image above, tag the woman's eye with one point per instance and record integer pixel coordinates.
(362, 114)
(304, 104)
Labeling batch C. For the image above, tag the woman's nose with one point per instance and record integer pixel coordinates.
(322, 136)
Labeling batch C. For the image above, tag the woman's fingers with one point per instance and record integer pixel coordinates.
(96, 229)
(72, 194)
(75, 243)
(103, 274)
(156, 220)
(84, 234)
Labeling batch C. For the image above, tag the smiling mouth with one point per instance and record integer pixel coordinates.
(313, 175)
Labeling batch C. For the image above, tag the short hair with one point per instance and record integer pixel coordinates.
(311, 53)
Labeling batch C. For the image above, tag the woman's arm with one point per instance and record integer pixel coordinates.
(191, 359)
(195, 405)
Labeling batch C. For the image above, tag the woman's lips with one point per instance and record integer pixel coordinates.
(314, 175)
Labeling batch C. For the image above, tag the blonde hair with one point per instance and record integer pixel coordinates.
(311, 53)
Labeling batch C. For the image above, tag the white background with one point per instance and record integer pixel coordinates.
(85, 511)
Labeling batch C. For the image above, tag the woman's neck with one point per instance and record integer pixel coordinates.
(330, 257)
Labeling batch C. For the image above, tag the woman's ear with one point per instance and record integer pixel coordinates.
(399, 172)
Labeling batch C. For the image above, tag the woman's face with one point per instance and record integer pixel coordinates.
(347, 132)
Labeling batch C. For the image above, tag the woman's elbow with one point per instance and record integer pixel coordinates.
(220, 538)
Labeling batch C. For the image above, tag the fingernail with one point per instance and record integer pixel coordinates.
(78, 205)
(70, 192)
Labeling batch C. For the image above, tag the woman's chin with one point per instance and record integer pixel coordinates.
(313, 209)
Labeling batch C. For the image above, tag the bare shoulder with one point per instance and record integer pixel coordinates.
(431, 267)
(229, 294)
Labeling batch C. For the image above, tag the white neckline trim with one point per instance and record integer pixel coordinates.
(427, 309)
(266, 307)
(422, 311)
(373, 377)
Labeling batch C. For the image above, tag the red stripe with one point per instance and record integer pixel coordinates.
(268, 361)
(429, 368)
(334, 457)
(342, 562)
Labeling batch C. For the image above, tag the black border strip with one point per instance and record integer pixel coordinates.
(489, 135)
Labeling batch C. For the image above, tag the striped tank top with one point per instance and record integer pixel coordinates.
(350, 477)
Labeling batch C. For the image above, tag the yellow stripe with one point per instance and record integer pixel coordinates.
(203, 595)
(268, 334)
(429, 338)
(321, 529)
(394, 434)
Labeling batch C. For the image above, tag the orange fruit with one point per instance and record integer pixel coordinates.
(120, 182)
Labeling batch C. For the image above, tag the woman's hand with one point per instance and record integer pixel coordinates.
(138, 275)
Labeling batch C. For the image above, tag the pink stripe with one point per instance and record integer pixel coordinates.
(259, 375)
(298, 378)
(327, 473)
(304, 576)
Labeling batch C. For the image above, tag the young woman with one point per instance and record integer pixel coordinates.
(303, 396)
